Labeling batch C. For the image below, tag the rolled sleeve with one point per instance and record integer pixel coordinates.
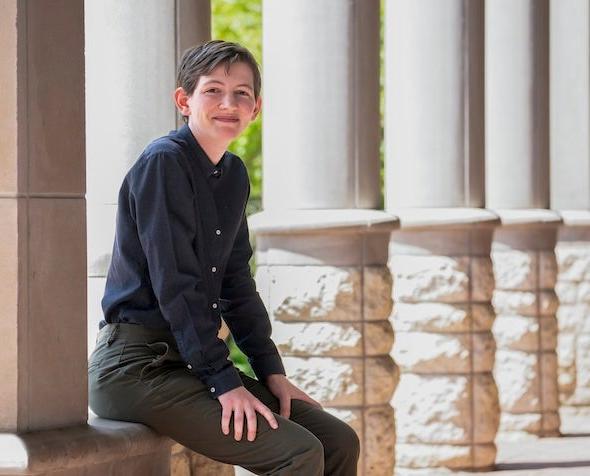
(162, 205)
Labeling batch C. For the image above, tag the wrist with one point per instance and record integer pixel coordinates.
(275, 377)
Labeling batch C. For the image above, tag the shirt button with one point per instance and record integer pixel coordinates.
(214, 269)
(214, 305)
(218, 232)
(212, 389)
(189, 366)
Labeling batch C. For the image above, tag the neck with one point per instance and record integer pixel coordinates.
(213, 148)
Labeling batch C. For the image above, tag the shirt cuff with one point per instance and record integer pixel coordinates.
(265, 365)
(223, 381)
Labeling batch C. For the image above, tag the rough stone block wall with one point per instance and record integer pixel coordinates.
(331, 326)
(573, 316)
(526, 332)
(446, 404)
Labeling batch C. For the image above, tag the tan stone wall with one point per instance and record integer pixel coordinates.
(330, 324)
(446, 404)
(573, 316)
(185, 462)
(526, 331)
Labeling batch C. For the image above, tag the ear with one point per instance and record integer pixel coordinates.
(257, 108)
(181, 101)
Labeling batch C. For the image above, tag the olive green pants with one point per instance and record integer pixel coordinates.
(136, 374)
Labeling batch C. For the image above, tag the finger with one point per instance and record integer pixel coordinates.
(238, 423)
(285, 402)
(266, 413)
(252, 423)
(225, 417)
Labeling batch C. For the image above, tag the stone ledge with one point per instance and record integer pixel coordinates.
(416, 218)
(528, 216)
(324, 221)
(100, 442)
(575, 217)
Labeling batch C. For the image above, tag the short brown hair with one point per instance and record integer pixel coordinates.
(202, 59)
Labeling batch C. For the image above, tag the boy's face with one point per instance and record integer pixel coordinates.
(223, 103)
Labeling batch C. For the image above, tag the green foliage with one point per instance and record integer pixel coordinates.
(241, 21)
(239, 358)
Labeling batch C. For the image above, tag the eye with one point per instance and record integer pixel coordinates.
(243, 93)
(212, 90)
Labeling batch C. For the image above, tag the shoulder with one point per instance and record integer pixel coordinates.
(162, 161)
(163, 153)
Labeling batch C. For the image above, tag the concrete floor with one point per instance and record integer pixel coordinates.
(565, 456)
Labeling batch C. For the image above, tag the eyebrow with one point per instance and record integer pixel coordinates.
(244, 85)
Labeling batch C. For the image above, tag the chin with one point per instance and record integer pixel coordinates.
(229, 134)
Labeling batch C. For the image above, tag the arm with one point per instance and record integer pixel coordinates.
(249, 323)
(162, 206)
(246, 315)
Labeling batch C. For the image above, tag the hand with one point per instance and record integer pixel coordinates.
(285, 391)
(240, 402)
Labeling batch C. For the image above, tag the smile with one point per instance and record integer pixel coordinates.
(226, 119)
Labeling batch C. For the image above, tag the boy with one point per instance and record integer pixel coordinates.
(180, 262)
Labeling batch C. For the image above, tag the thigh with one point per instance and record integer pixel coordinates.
(172, 401)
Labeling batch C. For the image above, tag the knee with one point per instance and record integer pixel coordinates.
(314, 449)
(346, 441)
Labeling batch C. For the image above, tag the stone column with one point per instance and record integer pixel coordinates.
(446, 404)
(43, 258)
(131, 61)
(321, 250)
(570, 195)
(525, 270)
(517, 189)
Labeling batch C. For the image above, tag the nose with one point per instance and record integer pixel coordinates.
(228, 101)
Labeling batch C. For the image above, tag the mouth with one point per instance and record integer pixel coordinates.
(226, 119)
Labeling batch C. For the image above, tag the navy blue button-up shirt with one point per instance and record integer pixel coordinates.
(180, 259)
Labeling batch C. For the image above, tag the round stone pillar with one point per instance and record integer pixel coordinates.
(434, 103)
(517, 189)
(570, 195)
(324, 279)
(446, 403)
(321, 129)
(517, 103)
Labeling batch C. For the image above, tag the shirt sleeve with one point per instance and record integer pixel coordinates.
(245, 313)
(162, 205)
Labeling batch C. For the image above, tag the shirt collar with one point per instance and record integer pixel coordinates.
(208, 168)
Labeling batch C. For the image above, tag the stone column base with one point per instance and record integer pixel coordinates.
(573, 317)
(446, 404)
(525, 271)
(103, 447)
(324, 279)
